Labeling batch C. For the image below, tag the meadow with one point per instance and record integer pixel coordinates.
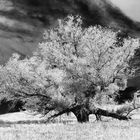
(65, 128)
(113, 130)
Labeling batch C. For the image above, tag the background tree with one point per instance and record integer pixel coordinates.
(70, 71)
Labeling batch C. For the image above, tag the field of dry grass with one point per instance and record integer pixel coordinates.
(12, 128)
(112, 130)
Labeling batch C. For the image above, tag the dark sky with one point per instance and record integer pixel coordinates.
(129, 7)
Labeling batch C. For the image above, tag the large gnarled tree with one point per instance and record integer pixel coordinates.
(71, 70)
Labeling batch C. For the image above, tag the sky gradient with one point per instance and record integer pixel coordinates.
(130, 7)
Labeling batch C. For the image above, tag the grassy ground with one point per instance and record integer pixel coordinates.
(22, 126)
(112, 130)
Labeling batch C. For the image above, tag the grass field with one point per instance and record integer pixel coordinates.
(68, 129)
(112, 130)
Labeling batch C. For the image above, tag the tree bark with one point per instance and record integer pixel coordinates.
(82, 115)
(98, 117)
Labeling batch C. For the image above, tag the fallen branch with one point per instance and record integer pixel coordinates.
(111, 114)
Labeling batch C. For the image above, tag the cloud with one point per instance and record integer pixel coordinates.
(92, 11)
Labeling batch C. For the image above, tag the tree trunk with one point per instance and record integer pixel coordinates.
(81, 114)
(98, 117)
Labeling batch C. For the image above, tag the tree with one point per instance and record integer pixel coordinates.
(71, 70)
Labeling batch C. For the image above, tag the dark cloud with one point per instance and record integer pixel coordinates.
(93, 12)
(22, 27)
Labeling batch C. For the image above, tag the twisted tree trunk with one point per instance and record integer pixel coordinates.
(82, 114)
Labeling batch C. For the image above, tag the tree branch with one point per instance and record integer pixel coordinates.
(111, 114)
(31, 95)
(73, 107)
